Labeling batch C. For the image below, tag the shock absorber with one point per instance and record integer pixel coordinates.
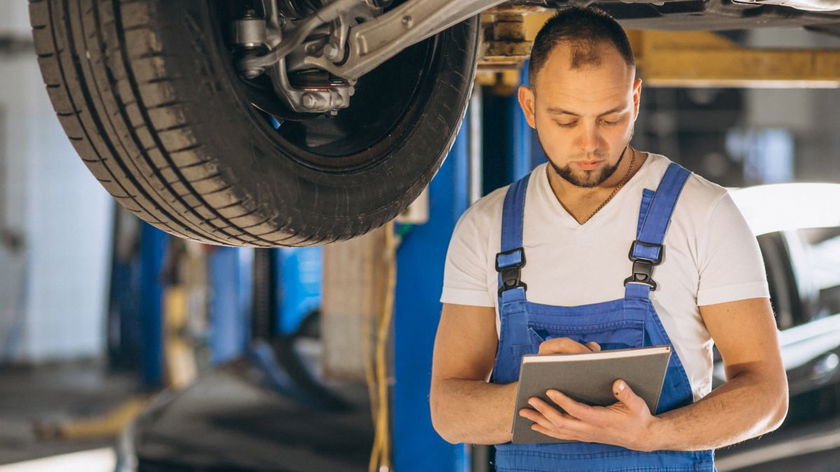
(249, 34)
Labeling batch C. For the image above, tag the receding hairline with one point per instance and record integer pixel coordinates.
(583, 54)
(586, 28)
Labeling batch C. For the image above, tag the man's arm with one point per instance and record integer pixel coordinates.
(465, 407)
(753, 400)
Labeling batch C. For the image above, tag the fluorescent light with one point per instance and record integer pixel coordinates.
(96, 460)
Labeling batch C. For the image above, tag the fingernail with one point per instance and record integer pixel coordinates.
(532, 402)
(551, 393)
(620, 387)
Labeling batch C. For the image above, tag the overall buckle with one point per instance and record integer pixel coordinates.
(509, 265)
(644, 256)
(642, 274)
(641, 250)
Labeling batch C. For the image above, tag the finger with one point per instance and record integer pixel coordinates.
(572, 408)
(535, 417)
(626, 395)
(593, 346)
(548, 411)
(565, 435)
(562, 346)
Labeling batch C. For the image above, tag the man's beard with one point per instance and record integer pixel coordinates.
(589, 178)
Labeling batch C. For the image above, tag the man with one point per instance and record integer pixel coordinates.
(564, 284)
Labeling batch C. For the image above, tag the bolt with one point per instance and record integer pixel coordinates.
(331, 51)
(311, 100)
(252, 73)
(408, 21)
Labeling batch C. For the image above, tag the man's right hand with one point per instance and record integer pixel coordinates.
(567, 346)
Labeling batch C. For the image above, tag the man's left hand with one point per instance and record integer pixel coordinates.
(626, 423)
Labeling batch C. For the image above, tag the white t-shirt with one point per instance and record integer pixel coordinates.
(711, 256)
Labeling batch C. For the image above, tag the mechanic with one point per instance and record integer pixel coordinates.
(542, 267)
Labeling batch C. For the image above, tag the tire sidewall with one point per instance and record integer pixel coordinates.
(297, 198)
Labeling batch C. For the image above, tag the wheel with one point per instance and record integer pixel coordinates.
(149, 95)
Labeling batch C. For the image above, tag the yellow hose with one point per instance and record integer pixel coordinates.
(377, 373)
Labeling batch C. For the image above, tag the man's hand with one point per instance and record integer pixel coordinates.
(624, 423)
(567, 346)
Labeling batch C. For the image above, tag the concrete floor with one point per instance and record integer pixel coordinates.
(63, 392)
(54, 393)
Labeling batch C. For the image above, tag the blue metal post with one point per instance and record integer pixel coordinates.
(527, 152)
(420, 261)
(230, 294)
(511, 149)
(298, 285)
(153, 244)
(522, 134)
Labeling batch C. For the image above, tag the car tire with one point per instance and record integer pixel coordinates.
(149, 95)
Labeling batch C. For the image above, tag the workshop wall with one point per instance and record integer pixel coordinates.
(811, 115)
(54, 219)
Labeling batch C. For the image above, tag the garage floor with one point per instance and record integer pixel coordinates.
(223, 419)
(62, 392)
(54, 393)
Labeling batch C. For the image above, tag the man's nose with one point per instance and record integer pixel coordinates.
(590, 139)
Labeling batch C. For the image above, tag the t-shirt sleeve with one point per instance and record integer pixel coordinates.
(731, 267)
(464, 274)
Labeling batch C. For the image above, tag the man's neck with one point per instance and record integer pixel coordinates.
(582, 201)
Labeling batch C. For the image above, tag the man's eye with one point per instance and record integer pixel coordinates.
(611, 122)
(567, 124)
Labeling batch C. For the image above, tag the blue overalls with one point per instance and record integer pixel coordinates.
(627, 322)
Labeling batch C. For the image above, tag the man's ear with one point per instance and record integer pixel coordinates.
(526, 102)
(637, 96)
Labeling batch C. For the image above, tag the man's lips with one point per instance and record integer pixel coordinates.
(588, 165)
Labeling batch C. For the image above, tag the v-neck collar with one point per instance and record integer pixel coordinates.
(565, 216)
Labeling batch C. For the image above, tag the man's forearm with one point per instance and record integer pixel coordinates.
(473, 411)
(738, 410)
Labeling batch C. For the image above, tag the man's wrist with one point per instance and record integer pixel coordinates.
(657, 435)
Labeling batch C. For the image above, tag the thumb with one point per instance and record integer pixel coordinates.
(625, 394)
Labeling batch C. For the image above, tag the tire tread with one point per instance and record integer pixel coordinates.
(104, 71)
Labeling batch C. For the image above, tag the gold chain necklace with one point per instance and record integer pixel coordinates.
(615, 190)
(617, 187)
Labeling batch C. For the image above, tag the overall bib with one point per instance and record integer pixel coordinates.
(623, 323)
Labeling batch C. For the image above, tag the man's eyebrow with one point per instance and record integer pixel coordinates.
(560, 111)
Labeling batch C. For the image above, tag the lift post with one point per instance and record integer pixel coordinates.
(420, 260)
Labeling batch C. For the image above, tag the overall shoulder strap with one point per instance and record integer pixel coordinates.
(513, 215)
(509, 263)
(511, 257)
(654, 217)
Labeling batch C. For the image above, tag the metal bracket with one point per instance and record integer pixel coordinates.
(374, 42)
(353, 49)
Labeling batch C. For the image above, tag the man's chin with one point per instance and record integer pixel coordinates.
(584, 179)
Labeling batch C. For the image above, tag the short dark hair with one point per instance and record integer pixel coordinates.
(583, 28)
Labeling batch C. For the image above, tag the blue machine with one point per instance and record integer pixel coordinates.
(511, 151)
(298, 286)
(298, 292)
(420, 259)
(229, 281)
(153, 243)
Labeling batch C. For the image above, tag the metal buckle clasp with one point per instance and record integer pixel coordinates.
(509, 265)
(643, 263)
